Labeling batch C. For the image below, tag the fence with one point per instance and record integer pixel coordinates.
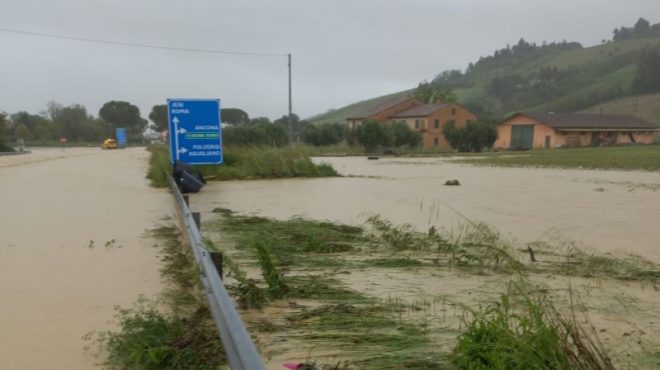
(240, 350)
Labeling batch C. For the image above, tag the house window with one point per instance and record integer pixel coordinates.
(451, 123)
(453, 111)
(435, 141)
(437, 123)
(417, 124)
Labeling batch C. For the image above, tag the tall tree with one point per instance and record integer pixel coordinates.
(123, 114)
(642, 26)
(4, 144)
(434, 93)
(647, 79)
(69, 120)
(234, 116)
(158, 116)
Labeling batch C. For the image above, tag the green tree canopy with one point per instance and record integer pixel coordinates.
(158, 116)
(404, 135)
(234, 116)
(434, 92)
(372, 134)
(70, 120)
(647, 79)
(323, 134)
(474, 137)
(123, 114)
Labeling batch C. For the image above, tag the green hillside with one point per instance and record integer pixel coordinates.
(340, 115)
(558, 77)
(643, 106)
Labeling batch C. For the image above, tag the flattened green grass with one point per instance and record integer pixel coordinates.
(642, 157)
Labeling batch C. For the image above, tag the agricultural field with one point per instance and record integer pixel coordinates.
(645, 158)
(387, 268)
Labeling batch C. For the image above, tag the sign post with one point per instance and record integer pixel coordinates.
(195, 135)
(121, 136)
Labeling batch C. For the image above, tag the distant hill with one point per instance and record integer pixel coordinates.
(643, 106)
(558, 77)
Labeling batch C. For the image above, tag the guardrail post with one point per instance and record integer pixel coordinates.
(218, 260)
(198, 220)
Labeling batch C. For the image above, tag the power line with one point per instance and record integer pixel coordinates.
(139, 45)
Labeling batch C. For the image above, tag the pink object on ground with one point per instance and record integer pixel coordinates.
(293, 366)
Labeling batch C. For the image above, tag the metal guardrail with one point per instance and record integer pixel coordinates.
(240, 350)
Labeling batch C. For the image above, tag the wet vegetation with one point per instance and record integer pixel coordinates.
(524, 330)
(175, 332)
(521, 329)
(244, 163)
(642, 157)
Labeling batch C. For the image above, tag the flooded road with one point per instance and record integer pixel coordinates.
(605, 210)
(72, 246)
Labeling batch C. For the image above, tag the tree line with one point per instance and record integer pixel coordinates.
(74, 123)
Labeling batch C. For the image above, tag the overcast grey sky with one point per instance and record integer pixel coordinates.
(343, 50)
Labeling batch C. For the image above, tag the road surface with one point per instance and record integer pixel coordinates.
(72, 246)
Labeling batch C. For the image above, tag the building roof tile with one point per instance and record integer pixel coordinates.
(591, 121)
(423, 110)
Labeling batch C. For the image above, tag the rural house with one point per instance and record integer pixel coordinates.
(556, 130)
(429, 119)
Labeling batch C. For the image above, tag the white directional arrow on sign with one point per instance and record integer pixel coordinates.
(176, 120)
(181, 131)
(183, 150)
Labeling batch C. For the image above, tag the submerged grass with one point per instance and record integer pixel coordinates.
(291, 240)
(372, 333)
(522, 330)
(244, 163)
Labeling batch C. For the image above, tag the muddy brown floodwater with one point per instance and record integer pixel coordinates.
(72, 246)
(605, 210)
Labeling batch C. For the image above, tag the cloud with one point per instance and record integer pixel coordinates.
(343, 51)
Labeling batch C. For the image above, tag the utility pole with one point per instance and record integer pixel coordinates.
(290, 113)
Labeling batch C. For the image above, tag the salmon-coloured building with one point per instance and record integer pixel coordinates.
(428, 119)
(557, 130)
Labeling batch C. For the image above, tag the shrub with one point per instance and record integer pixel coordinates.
(474, 137)
(372, 134)
(267, 134)
(324, 134)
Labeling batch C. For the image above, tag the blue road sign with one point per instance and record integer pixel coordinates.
(121, 136)
(195, 135)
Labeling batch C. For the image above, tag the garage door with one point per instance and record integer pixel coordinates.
(522, 137)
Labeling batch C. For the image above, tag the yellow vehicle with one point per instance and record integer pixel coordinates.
(109, 144)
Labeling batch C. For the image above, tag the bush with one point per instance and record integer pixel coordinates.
(522, 331)
(475, 137)
(324, 134)
(403, 135)
(255, 134)
(373, 134)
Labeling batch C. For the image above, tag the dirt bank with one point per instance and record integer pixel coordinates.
(72, 247)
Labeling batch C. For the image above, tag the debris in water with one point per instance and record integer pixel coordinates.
(452, 183)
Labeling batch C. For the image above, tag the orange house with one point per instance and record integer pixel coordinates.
(429, 119)
(556, 130)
